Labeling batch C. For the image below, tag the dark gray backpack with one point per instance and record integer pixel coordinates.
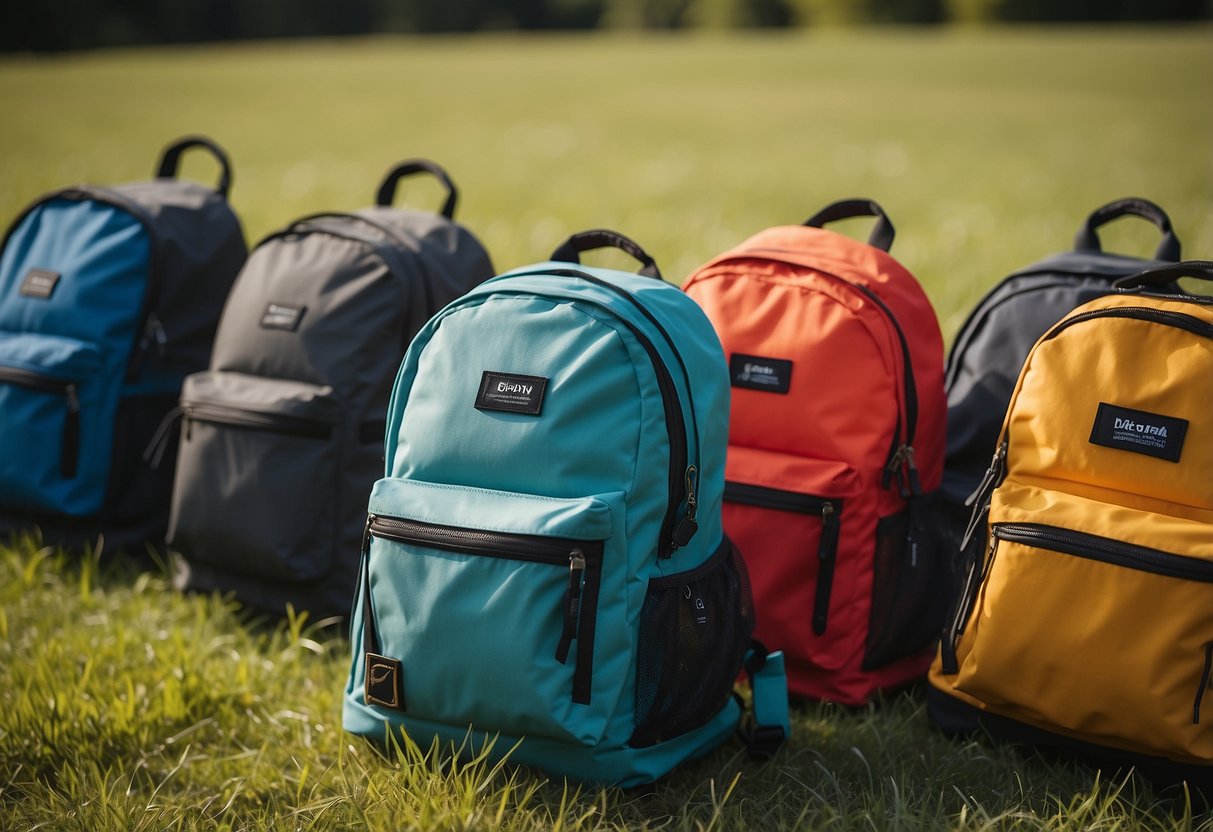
(283, 437)
(109, 297)
(990, 349)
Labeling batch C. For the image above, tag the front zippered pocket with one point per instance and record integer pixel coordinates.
(826, 551)
(1105, 639)
(259, 477)
(69, 392)
(582, 560)
(55, 431)
(491, 604)
(791, 519)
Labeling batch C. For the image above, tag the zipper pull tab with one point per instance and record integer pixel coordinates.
(154, 332)
(366, 535)
(991, 476)
(154, 452)
(912, 473)
(71, 433)
(827, 547)
(688, 525)
(572, 604)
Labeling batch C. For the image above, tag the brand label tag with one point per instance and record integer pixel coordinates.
(1136, 430)
(511, 393)
(755, 372)
(383, 678)
(39, 283)
(282, 316)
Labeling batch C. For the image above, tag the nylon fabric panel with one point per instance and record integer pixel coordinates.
(593, 394)
(781, 556)
(342, 287)
(1057, 641)
(1163, 373)
(102, 255)
(445, 613)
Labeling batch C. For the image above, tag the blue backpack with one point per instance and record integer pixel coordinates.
(544, 570)
(109, 297)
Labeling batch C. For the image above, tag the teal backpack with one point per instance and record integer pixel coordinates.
(544, 571)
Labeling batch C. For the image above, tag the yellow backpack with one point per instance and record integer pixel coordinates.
(1086, 618)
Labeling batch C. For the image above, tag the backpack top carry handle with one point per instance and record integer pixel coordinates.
(882, 234)
(1165, 275)
(387, 191)
(1088, 240)
(170, 161)
(568, 251)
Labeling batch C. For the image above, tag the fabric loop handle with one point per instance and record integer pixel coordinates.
(1165, 275)
(1088, 240)
(170, 161)
(883, 232)
(570, 249)
(387, 190)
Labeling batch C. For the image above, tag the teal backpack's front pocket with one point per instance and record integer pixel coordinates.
(54, 459)
(495, 625)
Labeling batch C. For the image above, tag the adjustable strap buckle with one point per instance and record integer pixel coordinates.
(769, 685)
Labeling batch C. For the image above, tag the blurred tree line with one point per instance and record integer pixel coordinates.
(56, 25)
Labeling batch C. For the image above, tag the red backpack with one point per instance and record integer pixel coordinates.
(836, 444)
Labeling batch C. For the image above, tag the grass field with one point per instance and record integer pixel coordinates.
(125, 706)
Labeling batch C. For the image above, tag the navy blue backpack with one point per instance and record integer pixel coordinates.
(109, 297)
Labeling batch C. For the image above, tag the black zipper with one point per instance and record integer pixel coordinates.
(683, 477)
(69, 390)
(1204, 683)
(300, 426)
(901, 451)
(579, 607)
(1115, 552)
(828, 509)
(1179, 320)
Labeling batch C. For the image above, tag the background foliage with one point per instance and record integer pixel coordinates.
(54, 25)
(124, 706)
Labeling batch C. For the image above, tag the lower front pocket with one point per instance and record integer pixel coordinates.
(695, 628)
(489, 603)
(1098, 639)
(256, 491)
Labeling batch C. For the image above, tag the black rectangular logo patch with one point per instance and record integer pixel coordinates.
(1136, 430)
(511, 393)
(281, 316)
(39, 283)
(383, 681)
(754, 372)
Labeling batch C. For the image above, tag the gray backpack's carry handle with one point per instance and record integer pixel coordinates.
(170, 161)
(570, 249)
(387, 191)
(883, 232)
(1166, 275)
(1088, 240)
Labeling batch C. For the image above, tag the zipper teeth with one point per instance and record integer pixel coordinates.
(493, 544)
(1102, 549)
(762, 496)
(253, 419)
(1142, 313)
(36, 381)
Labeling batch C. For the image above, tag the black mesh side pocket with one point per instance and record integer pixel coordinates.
(694, 630)
(911, 583)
